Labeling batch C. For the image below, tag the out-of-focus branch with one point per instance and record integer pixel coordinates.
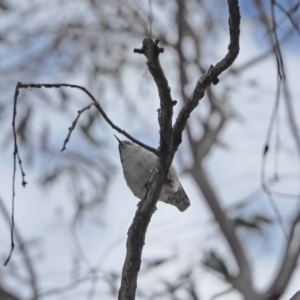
(201, 147)
(23, 250)
(17, 156)
(4, 295)
(243, 281)
(214, 297)
(271, 26)
(211, 133)
(291, 113)
(279, 59)
(288, 263)
(259, 58)
(199, 150)
(296, 296)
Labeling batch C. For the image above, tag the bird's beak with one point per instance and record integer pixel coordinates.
(120, 142)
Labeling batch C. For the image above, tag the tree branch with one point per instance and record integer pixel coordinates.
(97, 105)
(136, 236)
(158, 176)
(211, 76)
(80, 112)
(27, 260)
(5, 295)
(16, 153)
(243, 280)
(296, 296)
(288, 263)
(168, 144)
(292, 118)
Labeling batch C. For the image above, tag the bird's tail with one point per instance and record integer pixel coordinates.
(181, 200)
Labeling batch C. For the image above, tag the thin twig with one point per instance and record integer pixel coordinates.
(221, 293)
(279, 60)
(259, 58)
(291, 111)
(97, 105)
(74, 124)
(276, 210)
(288, 263)
(70, 286)
(277, 146)
(16, 156)
(289, 14)
(150, 17)
(264, 159)
(284, 195)
(24, 252)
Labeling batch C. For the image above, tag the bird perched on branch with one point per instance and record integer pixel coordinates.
(138, 163)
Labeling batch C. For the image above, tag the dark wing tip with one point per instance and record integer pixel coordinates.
(183, 202)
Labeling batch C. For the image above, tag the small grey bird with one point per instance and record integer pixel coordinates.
(138, 163)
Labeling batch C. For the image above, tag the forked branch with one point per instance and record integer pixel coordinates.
(170, 139)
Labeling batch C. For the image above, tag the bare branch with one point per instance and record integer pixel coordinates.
(16, 155)
(259, 58)
(211, 76)
(97, 105)
(70, 286)
(168, 144)
(265, 153)
(221, 293)
(243, 281)
(292, 118)
(272, 27)
(151, 50)
(24, 252)
(289, 261)
(289, 14)
(279, 59)
(296, 296)
(16, 151)
(136, 237)
(5, 295)
(138, 228)
(74, 124)
(275, 209)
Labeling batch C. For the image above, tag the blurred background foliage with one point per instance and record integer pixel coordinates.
(91, 43)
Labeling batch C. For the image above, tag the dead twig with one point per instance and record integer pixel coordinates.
(75, 123)
(23, 249)
(96, 104)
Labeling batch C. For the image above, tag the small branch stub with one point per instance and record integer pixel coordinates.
(150, 48)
